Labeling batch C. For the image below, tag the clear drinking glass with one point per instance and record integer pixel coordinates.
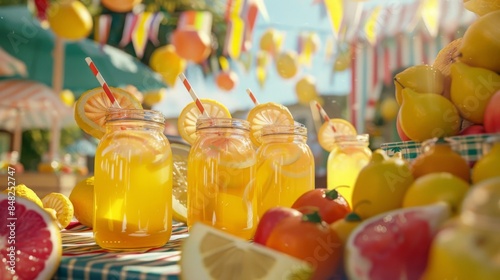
(285, 166)
(221, 177)
(133, 182)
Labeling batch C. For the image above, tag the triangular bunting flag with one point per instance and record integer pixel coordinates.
(140, 33)
(155, 27)
(130, 22)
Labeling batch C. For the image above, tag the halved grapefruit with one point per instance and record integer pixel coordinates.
(30, 243)
(395, 244)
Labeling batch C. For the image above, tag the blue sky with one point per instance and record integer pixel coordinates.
(290, 17)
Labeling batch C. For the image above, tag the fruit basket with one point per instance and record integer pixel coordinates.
(468, 146)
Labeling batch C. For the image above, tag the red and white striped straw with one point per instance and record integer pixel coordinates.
(103, 83)
(252, 96)
(197, 101)
(324, 115)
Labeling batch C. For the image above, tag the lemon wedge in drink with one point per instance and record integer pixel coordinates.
(180, 153)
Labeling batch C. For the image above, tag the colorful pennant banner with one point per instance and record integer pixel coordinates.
(140, 33)
(197, 20)
(101, 33)
(128, 28)
(155, 27)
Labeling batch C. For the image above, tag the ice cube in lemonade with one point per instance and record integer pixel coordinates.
(134, 186)
(285, 171)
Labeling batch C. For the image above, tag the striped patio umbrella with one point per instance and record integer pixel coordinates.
(26, 105)
(11, 66)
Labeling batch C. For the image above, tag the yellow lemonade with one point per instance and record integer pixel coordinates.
(220, 177)
(349, 155)
(133, 187)
(285, 167)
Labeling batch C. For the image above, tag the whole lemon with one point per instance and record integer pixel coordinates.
(381, 185)
(82, 198)
(70, 20)
(437, 187)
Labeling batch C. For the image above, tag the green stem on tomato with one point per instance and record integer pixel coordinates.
(312, 217)
(352, 217)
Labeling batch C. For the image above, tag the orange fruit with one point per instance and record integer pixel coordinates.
(269, 113)
(438, 156)
(38, 245)
(92, 106)
(326, 135)
(186, 123)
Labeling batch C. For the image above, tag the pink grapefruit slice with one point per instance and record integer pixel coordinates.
(33, 234)
(395, 244)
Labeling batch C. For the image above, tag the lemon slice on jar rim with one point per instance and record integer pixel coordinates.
(326, 135)
(186, 123)
(269, 113)
(92, 106)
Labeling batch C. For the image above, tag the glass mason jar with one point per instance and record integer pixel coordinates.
(488, 165)
(133, 182)
(221, 177)
(285, 166)
(350, 154)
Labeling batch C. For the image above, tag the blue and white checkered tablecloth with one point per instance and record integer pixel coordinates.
(84, 259)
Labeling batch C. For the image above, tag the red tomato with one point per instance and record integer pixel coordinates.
(270, 219)
(308, 238)
(331, 205)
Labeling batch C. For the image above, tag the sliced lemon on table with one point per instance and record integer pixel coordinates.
(269, 113)
(22, 190)
(92, 106)
(186, 123)
(62, 205)
(180, 153)
(326, 135)
(209, 253)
